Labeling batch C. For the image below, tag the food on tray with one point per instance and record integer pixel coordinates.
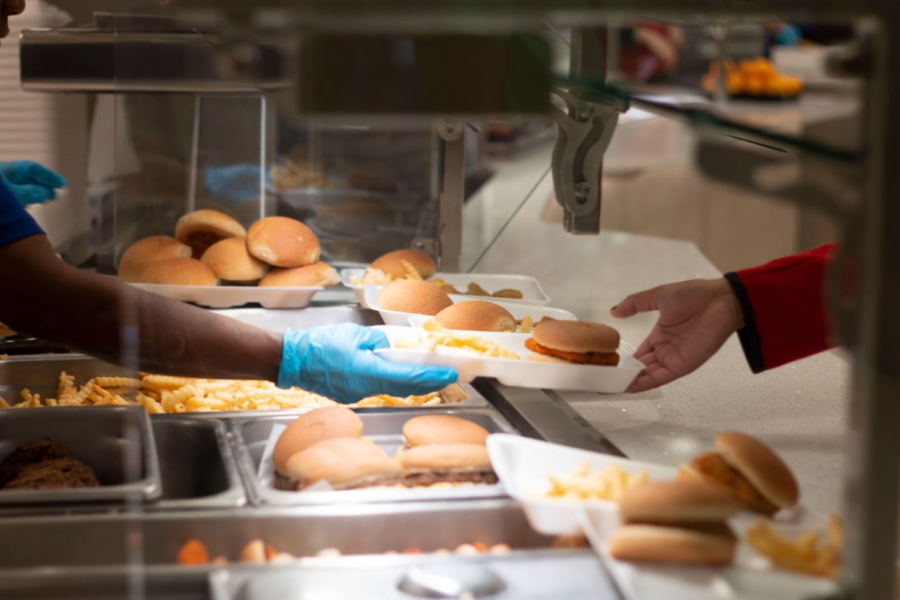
(201, 229)
(345, 463)
(476, 315)
(442, 429)
(193, 552)
(438, 339)
(608, 484)
(446, 463)
(805, 554)
(527, 324)
(179, 271)
(257, 552)
(146, 252)
(283, 242)
(327, 423)
(675, 522)
(749, 470)
(166, 394)
(44, 465)
(295, 175)
(411, 296)
(231, 262)
(399, 264)
(757, 77)
(315, 275)
(577, 342)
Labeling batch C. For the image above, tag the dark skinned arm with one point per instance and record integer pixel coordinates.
(43, 296)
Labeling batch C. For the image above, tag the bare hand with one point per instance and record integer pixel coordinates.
(695, 318)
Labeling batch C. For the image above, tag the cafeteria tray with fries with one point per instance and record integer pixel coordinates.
(505, 357)
(228, 296)
(254, 439)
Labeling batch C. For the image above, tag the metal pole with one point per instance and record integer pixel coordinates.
(263, 142)
(195, 156)
(452, 195)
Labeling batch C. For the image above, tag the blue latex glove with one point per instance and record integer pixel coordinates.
(30, 182)
(335, 362)
(788, 35)
(235, 184)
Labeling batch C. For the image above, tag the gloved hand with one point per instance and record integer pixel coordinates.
(335, 361)
(235, 184)
(30, 182)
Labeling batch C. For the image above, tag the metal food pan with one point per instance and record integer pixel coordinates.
(116, 441)
(385, 428)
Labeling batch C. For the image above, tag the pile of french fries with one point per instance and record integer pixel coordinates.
(608, 484)
(440, 339)
(806, 554)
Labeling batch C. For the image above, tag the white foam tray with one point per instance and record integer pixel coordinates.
(228, 296)
(523, 464)
(532, 292)
(522, 372)
(401, 319)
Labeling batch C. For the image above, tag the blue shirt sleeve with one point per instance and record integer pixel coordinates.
(15, 223)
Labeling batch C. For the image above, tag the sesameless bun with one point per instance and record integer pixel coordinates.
(392, 263)
(761, 466)
(443, 429)
(476, 315)
(661, 544)
(446, 457)
(676, 501)
(315, 275)
(283, 242)
(416, 297)
(146, 252)
(576, 336)
(315, 426)
(203, 228)
(179, 271)
(344, 463)
(230, 261)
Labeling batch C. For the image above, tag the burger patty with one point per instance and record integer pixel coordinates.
(712, 466)
(609, 359)
(711, 527)
(52, 474)
(30, 454)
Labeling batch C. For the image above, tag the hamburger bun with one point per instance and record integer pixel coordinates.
(203, 228)
(761, 466)
(179, 271)
(315, 275)
(476, 315)
(712, 468)
(443, 429)
(283, 242)
(315, 426)
(230, 261)
(446, 457)
(344, 463)
(146, 252)
(416, 297)
(576, 342)
(676, 501)
(391, 263)
(660, 544)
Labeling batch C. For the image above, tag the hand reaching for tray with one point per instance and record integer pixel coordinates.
(695, 318)
(336, 362)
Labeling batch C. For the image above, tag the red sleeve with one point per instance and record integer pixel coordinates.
(784, 308)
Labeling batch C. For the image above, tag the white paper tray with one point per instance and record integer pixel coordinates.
(532, 292)
(522, 464)
(401, 319)
(228, 296)
(519, 373)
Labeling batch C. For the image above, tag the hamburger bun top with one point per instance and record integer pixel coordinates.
(230, 260)
(147, 252)
(391, 263)
(476, 315)
(676, 501)
(343, 462)
(283, 242)
(443, 429)
(576, 336)
(761, 466)
(315, 275)
(659, 544)
(416, 297)
(179, 271)
(315, 426)
(441, 457)
(203, 228)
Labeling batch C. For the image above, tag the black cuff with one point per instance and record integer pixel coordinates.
(749, 335)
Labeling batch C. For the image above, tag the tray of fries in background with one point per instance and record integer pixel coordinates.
(511, 289)
(505, 357)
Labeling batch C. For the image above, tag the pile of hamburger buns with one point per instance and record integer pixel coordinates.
(326, 444)
(211, 248)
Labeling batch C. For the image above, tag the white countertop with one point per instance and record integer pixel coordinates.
(799, 409)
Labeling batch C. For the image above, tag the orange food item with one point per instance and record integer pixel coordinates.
(193, 552)
(585, 358)
(753, 77)
(412, 550)
(480, 546)
(270, 551)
